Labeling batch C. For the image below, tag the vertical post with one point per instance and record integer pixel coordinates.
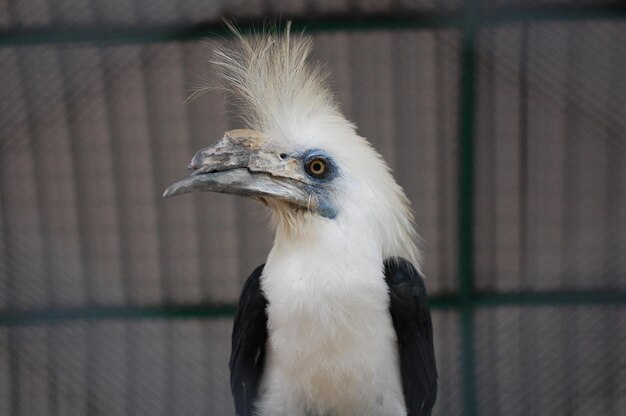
(466, 203)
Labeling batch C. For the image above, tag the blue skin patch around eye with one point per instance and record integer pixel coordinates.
(326, 207)
(333, 171)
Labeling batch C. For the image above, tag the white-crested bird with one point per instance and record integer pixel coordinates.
(336, 322)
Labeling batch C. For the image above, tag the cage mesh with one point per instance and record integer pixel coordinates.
(550, 360)
(92, 132)
(551, 163)
(119, 367)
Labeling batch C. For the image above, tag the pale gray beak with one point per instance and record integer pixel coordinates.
(245, 163)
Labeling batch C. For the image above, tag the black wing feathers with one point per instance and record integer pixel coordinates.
(411, 320)
(247, 358)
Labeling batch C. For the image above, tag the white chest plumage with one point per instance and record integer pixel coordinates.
(332, 348)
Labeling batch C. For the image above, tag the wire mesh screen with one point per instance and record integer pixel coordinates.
(550, 360)
(151, 367)
(116, 302)
(550, 154)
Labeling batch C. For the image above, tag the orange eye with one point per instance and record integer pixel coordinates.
(316, 168)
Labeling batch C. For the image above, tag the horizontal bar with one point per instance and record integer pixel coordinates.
(170, 33)
(511, 15)
(206, 311)
(577, 297)
(326, 23)
(43, 316)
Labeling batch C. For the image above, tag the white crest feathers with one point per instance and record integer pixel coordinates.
(279, 93)
(270, 81)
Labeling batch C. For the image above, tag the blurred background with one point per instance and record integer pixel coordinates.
(504, 120)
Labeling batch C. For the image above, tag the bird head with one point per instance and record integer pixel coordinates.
(298, 154)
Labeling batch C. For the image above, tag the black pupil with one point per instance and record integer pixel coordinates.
(317, 167)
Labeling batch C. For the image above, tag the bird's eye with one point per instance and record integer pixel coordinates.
(317, 168)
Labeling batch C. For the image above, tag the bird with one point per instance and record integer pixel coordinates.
(336, 322)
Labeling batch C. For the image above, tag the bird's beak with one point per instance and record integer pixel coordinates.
(245, 163)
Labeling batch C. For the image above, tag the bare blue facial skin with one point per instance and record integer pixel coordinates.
(327, 209)
(322, 187)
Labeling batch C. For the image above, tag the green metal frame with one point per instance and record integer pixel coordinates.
(170, 33)
(468, 21)
(466, 202)
(177, 311)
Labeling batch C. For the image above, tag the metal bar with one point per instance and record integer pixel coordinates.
(209, 311)
(573, 297)
(466, 202)
(9, 278)
(510, 15)
(524, 167)
(466, 156)
(185, 32)
(49, 316)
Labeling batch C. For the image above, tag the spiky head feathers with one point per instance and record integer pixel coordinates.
(269, 80)
(278, 93)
